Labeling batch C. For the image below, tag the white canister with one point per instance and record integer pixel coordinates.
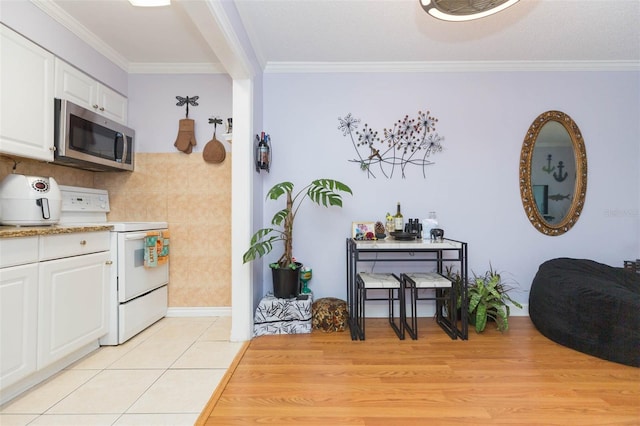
(428, 224)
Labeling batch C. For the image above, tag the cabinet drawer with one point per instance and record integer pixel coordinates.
(66, 245)
(18, 251)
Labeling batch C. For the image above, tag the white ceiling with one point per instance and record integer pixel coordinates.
(288, 32)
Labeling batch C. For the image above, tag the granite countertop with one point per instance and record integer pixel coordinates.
(29, 231)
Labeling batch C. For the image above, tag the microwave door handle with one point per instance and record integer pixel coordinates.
(125, 148)
(115, 146)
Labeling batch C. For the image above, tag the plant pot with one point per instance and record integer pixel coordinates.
(286, 282)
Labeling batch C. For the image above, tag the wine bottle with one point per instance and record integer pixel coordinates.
(263, 153)
(399, 220)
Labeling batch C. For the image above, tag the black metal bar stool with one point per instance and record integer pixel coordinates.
(366, 281)
(437, 282)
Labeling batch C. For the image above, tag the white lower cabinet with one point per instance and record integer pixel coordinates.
(54, 295)
(18, 322)
(72, 300)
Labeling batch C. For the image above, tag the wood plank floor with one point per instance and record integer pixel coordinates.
(519, 377)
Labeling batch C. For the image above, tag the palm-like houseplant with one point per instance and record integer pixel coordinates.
(324, 192)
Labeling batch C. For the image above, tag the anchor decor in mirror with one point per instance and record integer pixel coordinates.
(410, 142)
(553, 173)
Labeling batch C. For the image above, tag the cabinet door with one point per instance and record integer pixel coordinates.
(75, 86)
(79, 88)
(26, 104)
(112, 104)
(18, 322)
(72, 298)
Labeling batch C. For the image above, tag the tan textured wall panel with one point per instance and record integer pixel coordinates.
(193, 196)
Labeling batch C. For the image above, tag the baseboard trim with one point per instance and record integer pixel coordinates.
(374, 310)
(209, 311)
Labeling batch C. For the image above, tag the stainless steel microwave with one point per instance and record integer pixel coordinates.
(89, 141)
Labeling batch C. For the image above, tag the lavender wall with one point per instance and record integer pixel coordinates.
(155, 117)
(473, 186)
(27, 19)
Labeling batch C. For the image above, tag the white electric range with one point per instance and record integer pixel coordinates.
(138, 295)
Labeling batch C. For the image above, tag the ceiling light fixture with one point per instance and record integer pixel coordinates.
(464, 10)
(150, 3)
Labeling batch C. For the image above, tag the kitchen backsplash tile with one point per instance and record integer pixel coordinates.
(62, 175)
(193, 196)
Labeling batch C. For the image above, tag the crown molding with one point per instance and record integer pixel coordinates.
(176, 68)
(72, 24)
(75, 27)
(449, 66)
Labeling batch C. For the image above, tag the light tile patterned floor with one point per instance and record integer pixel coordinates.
(163, 376)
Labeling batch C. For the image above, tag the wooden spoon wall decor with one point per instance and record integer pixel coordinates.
(214, 151)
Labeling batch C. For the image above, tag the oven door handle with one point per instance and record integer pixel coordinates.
(135, 236)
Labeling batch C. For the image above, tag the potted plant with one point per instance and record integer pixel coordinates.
(324, 192)
(488, 299)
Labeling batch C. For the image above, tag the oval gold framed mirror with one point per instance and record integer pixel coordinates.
(553, 173)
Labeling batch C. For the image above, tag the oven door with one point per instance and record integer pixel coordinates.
(134, 279)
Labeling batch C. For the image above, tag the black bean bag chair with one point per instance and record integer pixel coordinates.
(590, 307)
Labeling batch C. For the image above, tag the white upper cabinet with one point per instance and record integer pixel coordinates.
(112, 104)
(26, 103)
(79, 88)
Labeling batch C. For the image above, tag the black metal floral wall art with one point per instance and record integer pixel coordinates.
(410, 142)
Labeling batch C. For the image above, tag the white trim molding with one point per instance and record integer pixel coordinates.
(211, 311)
(449, 66)
(173, 68)
(72, 24)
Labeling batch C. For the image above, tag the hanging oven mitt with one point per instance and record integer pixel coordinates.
(186, 137)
